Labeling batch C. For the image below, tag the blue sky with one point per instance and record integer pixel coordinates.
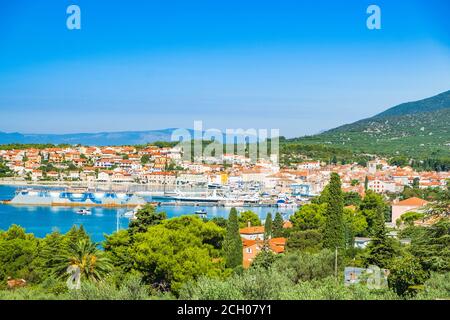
(300, 66)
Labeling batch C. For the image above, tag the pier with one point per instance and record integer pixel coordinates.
(213, 204)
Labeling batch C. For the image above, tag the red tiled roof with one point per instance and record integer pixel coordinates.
(414, 201)
(252, 230)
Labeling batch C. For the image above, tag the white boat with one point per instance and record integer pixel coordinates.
(201, 212)
(132, 213)
(129, 214)
(284, 202)
(84, 212)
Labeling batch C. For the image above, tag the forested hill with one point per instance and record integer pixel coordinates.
(417, 129)
(435, 103)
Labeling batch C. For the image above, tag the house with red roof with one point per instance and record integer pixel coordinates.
(251, 248)
(413, 204)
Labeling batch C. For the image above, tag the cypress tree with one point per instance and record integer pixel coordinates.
(334, 224)
(381, 248)
(277, 229)
(233, 244)
(268, 227)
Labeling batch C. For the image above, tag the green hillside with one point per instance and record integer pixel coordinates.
(418, 130)
(438, 102)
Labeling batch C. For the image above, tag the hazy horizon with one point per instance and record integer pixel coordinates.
(300, 67)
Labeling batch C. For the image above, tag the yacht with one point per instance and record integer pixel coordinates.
(84, 212)
(201, 213)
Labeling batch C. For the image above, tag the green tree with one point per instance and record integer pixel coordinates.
(416, 182)
(52, 247)
(355, 224)
(268, 226)
(5, 171)
(264, 259)
(381, 248)
(247, 217)
(84, 256)
(437, 287)
(75, 234)
(307, 266)
(277, 228)
(309, 240)
(145, 159)
(352, 199)
(18, 252)
(179, 250)
(233, 244)
(333, 235)
(406, 276)
(441, 207)
(409, 218)
(220, 221)
(117, 246)
(370, 206)
(146, 217)
(431, 245)
(309, 216)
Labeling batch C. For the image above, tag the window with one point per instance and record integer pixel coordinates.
(248, 250)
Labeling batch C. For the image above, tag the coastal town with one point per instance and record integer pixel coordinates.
(157, 166)
(224, 159)
(229, 180)
(164, 166)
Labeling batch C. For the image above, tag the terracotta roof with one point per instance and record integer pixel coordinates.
(252, 230)
(414, 201)
(278, 241)
(277, 244)
(247, 242)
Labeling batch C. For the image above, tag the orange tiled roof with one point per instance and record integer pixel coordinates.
(414, 201)
(247, 242)
(278, 241)
(252, 230)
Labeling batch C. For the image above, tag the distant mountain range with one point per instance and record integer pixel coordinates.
(414, 128)
(100, 139)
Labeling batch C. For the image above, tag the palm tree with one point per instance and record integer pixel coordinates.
(82, 260)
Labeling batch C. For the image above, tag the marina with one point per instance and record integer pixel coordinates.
(44, 219)
(73, 197)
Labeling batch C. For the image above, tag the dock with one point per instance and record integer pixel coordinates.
(212, 204)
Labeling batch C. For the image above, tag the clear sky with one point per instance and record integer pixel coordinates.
(300, 66)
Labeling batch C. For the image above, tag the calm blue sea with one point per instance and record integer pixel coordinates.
(43, 220)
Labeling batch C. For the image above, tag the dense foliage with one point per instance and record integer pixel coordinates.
(187, 257)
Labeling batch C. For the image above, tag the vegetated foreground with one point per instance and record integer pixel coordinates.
(191, 258)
